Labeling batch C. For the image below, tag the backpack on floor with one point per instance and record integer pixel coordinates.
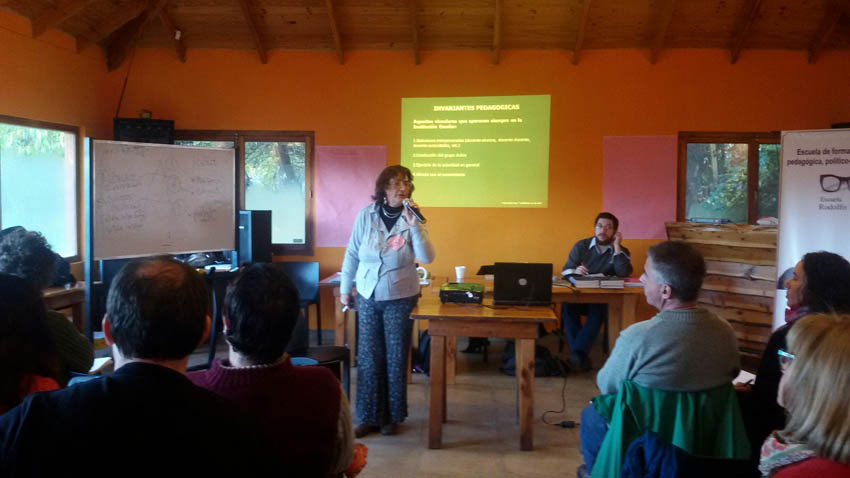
(545, 365)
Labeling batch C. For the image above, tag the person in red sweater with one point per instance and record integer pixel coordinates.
(303, 409)
(815, 390)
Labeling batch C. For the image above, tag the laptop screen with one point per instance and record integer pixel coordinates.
(518, 283)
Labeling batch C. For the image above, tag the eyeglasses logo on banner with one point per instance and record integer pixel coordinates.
(831, 183)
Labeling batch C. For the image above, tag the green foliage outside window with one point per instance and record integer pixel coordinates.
(31, 141)
(717, 181)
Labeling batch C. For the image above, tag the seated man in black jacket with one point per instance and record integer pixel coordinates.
(601, 253)
(147, 418)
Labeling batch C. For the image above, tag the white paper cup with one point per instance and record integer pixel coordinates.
(460, 271)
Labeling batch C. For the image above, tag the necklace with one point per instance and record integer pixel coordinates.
(389, 215)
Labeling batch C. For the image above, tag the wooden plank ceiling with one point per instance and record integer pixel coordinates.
(491, 26)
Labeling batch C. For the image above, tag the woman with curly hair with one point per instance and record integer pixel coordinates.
(27, 255)
(27, 358)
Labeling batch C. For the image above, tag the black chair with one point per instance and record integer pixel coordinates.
(337, 359)
(305, 275)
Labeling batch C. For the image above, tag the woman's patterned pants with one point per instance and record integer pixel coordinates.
(383, 340)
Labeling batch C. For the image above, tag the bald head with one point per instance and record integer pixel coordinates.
(157, 309)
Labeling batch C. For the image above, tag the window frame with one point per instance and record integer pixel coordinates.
(753, 140)
(239, 137)
(78, 193)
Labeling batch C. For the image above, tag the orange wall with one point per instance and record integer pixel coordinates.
(46, 79)
(611, 92)
(608, 93)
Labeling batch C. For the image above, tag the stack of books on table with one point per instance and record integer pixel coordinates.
(596, 281)
(585, 282)
(611, 282)
(632, 282)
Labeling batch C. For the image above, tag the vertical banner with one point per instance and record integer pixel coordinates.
(814, 200)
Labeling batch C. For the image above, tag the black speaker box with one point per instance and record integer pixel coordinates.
(255, 237)
(143, 130)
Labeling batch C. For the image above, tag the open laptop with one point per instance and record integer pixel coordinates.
(518, 283)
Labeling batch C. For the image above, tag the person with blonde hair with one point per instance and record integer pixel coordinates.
(815, 390)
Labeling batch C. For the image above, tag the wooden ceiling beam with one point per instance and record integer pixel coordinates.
(830, 20)
(255, 30)
(176, 34)
(661, 33)
(497, 33)
(53, 17)
(752, 10)
(414, 30)
(126, 37)
(329, 5)
(109, 25)
(582, 28)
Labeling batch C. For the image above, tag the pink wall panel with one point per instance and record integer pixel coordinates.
(345, 181)
(639, 183)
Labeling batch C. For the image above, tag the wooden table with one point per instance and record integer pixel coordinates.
(448, 321)
(61, 298)
(621, 304)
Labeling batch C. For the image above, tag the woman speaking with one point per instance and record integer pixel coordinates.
(385, 244)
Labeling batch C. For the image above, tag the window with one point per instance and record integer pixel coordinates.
(274, 172)
(730, 177)
(38, 181)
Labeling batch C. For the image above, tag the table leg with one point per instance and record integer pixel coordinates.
(437, 408)
(339, 321)
(351, 325)
(525, 386)
(629, 309)
(451, 359)
(78, 316)
(615, 320)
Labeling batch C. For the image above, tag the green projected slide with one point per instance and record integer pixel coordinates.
(486, 151)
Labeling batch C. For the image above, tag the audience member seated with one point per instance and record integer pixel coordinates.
(28, 361)
(26, 254)
(820, 284)
(815, 389)
(147, 418)
(684, 348)
(302, 408)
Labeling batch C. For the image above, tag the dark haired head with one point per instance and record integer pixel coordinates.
(157, 309)
(383, 182)
(608, 215)
(25, 346)
(827, 282)
(26, 254)
(679, 265)
(261, 309)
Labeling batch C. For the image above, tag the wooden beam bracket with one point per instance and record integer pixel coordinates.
(661, 33)
(255, 30)
(582, 29)
(329, 5)
(752, 10)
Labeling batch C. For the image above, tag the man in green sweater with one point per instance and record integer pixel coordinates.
(26, 254)
(684, 348)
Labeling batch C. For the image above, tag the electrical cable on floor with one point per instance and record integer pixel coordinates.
(564, 423)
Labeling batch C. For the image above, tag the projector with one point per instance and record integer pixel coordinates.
(461, 292)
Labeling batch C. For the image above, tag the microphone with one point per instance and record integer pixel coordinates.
(415, 211)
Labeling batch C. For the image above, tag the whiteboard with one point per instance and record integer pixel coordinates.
(150, 199)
